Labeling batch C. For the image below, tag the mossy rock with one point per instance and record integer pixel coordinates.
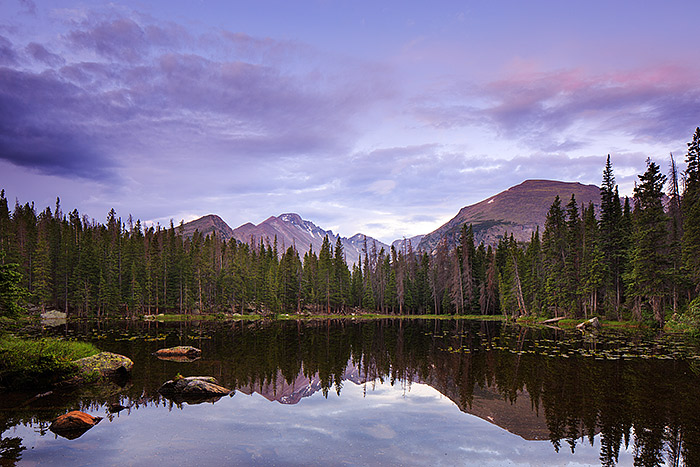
(106, 364)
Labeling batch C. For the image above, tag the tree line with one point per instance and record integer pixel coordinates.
(638, 258)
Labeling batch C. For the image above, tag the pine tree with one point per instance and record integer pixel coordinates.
(533, 274)
(489, 295)
(677, 277)
(554, 258)
(691, 211)
(325, 273)
(11, 291)
(593, 262)
(290, 280)
(467, 253)
(341, 276)
(611, 241)
(574, 251)
(42, 269)
(5, 224)
(647, 277)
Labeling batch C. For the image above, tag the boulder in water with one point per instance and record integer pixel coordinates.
(107, 364)
(181, 353)
(73, 424)
(193, 389)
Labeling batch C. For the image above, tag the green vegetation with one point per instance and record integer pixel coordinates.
(689, 321)
(10, 290)
(39, 363)
(202, 317)
(614, 262)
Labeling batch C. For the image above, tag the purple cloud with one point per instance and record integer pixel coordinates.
(40, 54)
(142, 97)
(8, 55)
(121, 39)
(256, 119)
(541, 108)
(39, 127)
(29, 7)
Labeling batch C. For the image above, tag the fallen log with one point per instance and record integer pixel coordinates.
(553, 320)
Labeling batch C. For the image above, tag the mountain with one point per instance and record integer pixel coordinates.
(519, 210)
(290, 229)
(208, 224)
(399, 245)
(516, 416)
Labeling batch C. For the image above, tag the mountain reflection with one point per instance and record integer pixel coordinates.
(516, 378)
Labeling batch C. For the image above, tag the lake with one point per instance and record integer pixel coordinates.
(378, 392)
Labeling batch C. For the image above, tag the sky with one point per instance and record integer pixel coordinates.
(379, 117)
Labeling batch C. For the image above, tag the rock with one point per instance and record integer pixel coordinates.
(153, 317)
(591, 324)
(53, 314)
(193, 389)
(73, 424)
(179, 353)
(107, 364)
(53, 318)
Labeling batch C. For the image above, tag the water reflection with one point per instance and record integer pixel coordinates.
(536, 384)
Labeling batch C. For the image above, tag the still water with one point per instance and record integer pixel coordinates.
(382, 392)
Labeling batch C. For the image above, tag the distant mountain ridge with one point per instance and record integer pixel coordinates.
(519, 210)
(289, 229)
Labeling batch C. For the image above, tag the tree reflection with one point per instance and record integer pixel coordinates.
(536, 383)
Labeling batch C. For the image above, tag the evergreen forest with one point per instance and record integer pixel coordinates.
(633, 259)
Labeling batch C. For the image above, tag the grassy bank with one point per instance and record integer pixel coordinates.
(285, 316)
(26, 363)
(200, 317)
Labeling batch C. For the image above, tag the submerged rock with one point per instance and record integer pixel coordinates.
(106, 364)
(181, 353)
(73, 424)
(193, 389)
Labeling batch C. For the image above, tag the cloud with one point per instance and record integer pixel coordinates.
(124, 39)
(382, 187)
(8, 55)
(28, 7)
(123, 88)
(39, 53)
(42, 126)
(549, 110)
(199, 119)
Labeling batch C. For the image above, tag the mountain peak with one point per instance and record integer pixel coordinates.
(519, 210)
(292, 217)
(291, 229)
(207, 225)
